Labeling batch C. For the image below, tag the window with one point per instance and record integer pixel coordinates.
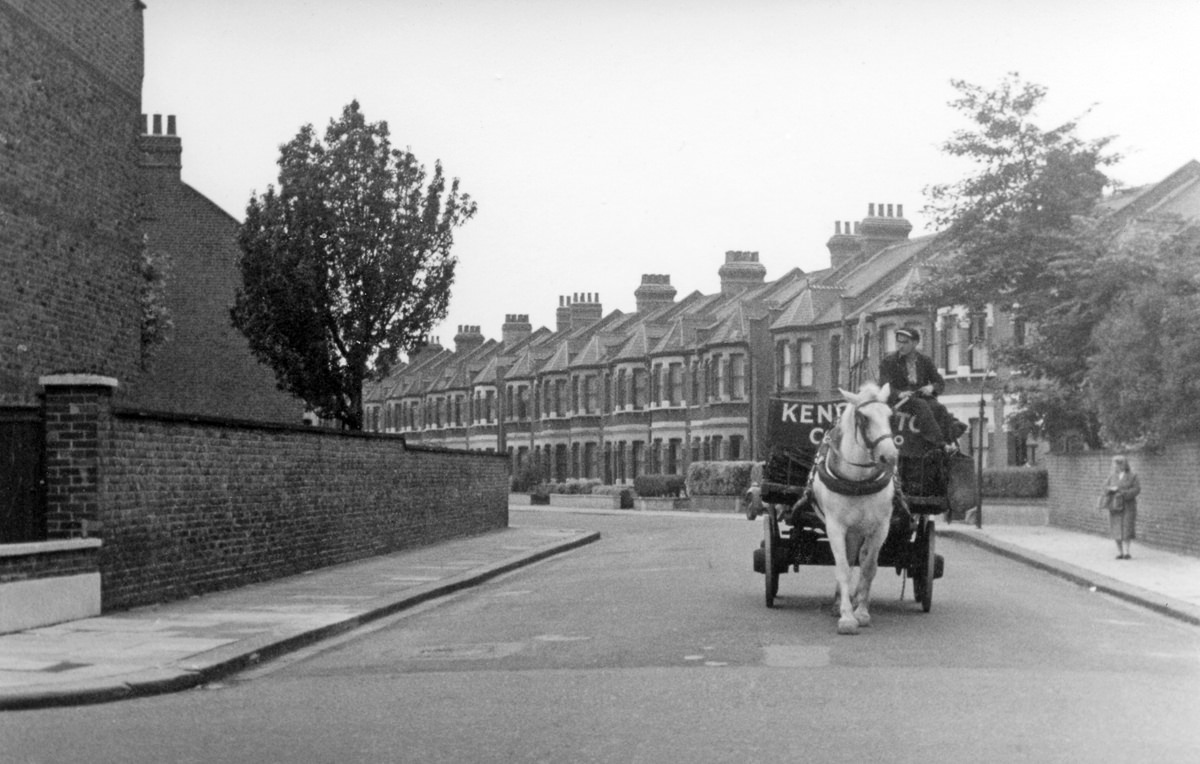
(735, 447)
(639, 389)
(675, 384)
(589, 459)
(805, 357)
(721, 386)
(523, 402)
(784, 364)
(695, 397)
(621, 392)
(591, 404)
(737, 376)
(950, 355)
(977, 337)
(656, 384)
(635, 459)
(835, 360)
(674, 451)
(560, 396)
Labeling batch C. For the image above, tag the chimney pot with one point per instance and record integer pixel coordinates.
(170, 124)
(871, 210)
(158, 124)
(899, 210)
(890, 211)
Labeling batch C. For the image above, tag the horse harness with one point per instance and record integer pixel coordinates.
(872, 484)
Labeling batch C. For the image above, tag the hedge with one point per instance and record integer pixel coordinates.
(572, 486)
(718, 478)
(1015, 483)
(658, 485)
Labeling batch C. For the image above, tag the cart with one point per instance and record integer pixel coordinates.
(794, 535)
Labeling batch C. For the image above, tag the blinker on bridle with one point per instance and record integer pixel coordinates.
(861, 423)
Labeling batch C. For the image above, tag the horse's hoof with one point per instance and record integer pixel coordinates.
(864, 619)
(847, 626)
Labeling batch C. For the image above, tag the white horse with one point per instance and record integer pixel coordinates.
(853, 493)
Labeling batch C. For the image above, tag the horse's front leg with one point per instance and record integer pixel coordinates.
(868, 564)
(847, 623)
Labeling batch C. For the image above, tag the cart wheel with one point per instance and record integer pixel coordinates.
(770, 551)
(925, 566)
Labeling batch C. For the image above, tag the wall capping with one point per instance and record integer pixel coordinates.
(77, 380)
(27, 548)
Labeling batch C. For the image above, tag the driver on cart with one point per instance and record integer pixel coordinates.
(915, 386)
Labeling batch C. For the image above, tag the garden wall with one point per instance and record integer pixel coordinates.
(186, 505)
(1168, 508)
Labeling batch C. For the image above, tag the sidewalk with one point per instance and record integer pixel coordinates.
(1166, 582)
(185, 644)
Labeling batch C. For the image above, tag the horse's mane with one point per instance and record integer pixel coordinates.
(870, 391)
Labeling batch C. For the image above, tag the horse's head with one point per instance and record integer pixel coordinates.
(871, 417)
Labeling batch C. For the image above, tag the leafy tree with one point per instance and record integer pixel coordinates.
(1012, 226)
(1144, 376)
(1017, 235)
(347, 264)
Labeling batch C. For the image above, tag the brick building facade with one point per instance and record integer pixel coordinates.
(70, 244)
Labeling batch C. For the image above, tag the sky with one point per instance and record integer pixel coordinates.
(607, 139)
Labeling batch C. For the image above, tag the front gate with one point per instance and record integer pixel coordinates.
(22, 485)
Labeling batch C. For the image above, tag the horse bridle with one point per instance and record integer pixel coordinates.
(861, 422)
(860, 429)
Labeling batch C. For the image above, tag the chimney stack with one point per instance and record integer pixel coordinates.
(883, 230)
(515, 329)
(740, 272)
(159, 151)
(468, 338)
(843, 245)
(655, 292)
(585, 310)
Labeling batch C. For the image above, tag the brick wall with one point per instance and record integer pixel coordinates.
(190, 506)
(1168, 508)
(70, 82)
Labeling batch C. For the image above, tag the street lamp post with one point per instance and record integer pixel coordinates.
(979, 459)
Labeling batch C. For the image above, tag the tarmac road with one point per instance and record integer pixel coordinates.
(653, 644)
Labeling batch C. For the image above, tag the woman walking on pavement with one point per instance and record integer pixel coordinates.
(1121, 490)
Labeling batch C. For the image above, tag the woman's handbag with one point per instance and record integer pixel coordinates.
(1105, 503)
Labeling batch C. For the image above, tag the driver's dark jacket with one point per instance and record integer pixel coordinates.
(893, 370)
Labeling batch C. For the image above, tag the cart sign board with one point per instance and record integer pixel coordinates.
(801, 425)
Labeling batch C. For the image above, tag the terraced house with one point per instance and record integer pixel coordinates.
(614, 395)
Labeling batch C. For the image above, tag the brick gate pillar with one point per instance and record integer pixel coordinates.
(78, 409)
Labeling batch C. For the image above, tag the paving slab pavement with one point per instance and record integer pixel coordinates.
(184, 644)
(1164, 581)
